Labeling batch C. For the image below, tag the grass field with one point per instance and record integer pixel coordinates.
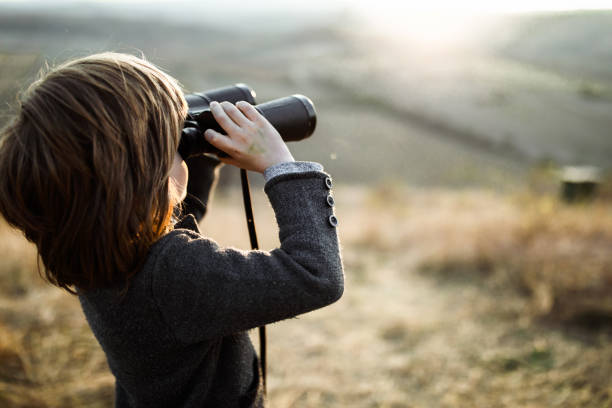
(442, 308)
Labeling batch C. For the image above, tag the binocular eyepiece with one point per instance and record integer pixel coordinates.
(294, 117)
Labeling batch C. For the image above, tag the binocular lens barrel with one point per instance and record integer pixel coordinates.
(200, 101)
(294, 117)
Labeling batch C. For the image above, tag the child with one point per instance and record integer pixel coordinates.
(91, 174)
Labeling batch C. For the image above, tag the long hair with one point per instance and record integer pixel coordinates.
(84, 167)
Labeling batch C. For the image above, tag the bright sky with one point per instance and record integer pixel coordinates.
(485, 6)
(438, 24)
(454, 6)
(435, 24)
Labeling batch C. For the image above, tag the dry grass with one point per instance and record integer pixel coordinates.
(14, 69)
(558, 253)
(431, 315)
(48, 356)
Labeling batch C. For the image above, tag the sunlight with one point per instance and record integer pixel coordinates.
(479, 6)
(440, 25)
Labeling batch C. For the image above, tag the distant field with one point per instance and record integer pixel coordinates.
(386, 111)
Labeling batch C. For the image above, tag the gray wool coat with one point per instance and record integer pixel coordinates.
(177, 337)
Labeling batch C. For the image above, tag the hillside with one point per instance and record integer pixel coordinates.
(535, 91)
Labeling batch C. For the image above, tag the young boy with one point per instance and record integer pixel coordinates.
(90, 173)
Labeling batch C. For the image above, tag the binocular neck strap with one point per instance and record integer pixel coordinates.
(248, 211)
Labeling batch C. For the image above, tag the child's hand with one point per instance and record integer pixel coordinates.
(251, 142)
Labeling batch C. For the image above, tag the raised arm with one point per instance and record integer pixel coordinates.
(205, 291)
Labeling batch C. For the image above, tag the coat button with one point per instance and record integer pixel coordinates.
(333, 221)
(328, 183)
(330, 200)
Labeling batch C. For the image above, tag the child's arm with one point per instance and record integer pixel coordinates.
(204, 291)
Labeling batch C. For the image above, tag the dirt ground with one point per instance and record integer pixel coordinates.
(399, 337)
(403, 337)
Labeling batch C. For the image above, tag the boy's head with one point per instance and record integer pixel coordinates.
(84, 166)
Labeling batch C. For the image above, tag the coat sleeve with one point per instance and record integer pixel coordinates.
(205, 291)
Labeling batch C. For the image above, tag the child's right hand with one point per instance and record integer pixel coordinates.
(251, 141)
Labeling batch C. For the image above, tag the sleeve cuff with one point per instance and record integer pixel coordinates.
(290, 167)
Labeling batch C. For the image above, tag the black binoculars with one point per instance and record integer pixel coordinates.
(294, 117)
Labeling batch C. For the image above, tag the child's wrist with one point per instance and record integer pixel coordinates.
(290, 167)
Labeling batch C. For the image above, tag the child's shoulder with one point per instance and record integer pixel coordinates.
(184, 231)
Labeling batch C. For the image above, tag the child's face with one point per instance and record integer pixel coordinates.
(178, 178)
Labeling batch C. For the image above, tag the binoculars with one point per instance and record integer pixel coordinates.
(294, 117)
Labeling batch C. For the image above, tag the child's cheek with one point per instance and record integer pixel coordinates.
(179, 176)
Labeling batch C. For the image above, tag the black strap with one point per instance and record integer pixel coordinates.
(248, 210)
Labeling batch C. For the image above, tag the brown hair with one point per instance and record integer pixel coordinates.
(85, 164)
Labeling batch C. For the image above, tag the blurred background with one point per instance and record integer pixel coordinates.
(471, 153)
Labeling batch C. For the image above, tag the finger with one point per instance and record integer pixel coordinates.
(221, 142)
(222, 119)
(249, 111)
(235, 114)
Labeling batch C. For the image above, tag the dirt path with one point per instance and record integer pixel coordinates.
(399, 338)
